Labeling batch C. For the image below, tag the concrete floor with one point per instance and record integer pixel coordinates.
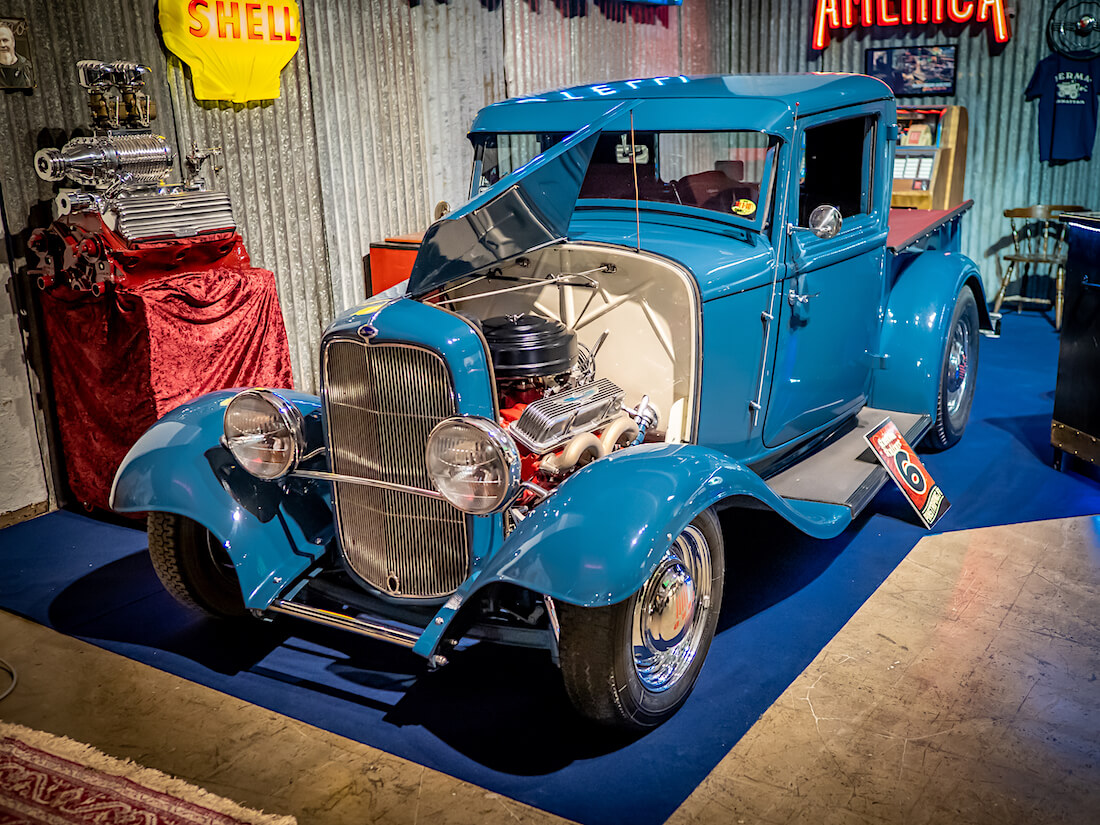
(964, 690)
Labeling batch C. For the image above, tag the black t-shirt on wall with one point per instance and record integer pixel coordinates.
(1067, 91)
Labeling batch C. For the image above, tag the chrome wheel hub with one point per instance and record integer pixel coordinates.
(958, 361)
(671, 607)
(670, 612)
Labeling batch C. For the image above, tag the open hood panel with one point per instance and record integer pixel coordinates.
(523, 211)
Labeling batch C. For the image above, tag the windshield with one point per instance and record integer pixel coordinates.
(725, 172)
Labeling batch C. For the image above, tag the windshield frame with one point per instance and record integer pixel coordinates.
(760, 221)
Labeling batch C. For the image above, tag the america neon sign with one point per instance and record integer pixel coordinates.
(847, 14)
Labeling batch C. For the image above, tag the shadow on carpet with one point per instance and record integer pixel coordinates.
(498, 717)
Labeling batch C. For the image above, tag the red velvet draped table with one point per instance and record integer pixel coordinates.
(122, 360)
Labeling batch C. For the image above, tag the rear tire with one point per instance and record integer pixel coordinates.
(958, 371)
(632, 664)
(194, 566)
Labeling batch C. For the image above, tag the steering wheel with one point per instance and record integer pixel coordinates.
(1073, 29)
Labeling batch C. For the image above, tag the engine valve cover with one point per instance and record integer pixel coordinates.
(549, 423)
(178, 215)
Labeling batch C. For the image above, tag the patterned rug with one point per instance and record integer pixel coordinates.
(47, 780)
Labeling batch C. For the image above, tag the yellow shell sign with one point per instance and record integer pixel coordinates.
(236, 50)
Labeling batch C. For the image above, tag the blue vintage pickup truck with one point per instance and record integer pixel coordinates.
(666, 296)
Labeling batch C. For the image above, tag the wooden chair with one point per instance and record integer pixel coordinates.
(1038, 248)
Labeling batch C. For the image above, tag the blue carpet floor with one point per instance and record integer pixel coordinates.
(498, 717)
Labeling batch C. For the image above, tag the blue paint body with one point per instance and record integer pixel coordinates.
(167, 470)
(872, 332)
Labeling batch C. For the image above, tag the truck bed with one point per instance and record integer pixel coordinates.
(908, 226)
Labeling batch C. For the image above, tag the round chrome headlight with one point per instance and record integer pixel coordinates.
(474, 463)
(264, 432)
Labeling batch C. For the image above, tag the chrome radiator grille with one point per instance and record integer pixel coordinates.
(381, 402)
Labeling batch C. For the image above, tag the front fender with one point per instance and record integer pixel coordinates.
(600, 535)
(178, 466)
(917, 315)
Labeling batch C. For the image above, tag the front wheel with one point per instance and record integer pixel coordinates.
(194, 566)
(958, 371)
(633, 664)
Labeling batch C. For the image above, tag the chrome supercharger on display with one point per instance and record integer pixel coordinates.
(121, 222)
(665, 297)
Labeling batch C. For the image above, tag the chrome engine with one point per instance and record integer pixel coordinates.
(107, 160)
(559, 415)
(551, 422)
(120, 225)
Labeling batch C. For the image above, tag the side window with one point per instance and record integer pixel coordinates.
(837, 167)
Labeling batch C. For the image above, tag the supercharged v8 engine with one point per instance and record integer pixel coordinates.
(560, 416)
(123, 224)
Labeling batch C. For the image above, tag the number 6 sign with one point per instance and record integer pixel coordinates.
(901, 462)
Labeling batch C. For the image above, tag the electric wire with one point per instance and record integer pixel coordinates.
(14, 679)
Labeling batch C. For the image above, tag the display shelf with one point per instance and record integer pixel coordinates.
(930, 160)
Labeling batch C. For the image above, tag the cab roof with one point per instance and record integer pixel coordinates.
(759, 102)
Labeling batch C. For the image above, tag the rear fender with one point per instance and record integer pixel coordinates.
(598, 538)
(917, 316)
(179, 466)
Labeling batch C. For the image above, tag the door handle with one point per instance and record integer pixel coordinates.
(794, 299)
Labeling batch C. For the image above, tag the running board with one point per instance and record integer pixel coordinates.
(372, 629)
(846, 472)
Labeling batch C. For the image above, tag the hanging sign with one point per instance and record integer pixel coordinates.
(903, 466)
(236, 50)
(847, 14)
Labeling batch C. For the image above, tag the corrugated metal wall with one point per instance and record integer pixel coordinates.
(269, 155)
(363, 144)
(396, 85)
(545, 48)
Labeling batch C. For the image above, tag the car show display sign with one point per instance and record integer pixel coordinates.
(236, 50)
(901, 462)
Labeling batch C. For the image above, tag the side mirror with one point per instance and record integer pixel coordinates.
(441, 210)
(825, 221)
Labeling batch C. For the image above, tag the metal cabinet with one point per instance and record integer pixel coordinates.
(1075, 428)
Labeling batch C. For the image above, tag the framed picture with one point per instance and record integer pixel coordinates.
(914, 70)
(16, 71)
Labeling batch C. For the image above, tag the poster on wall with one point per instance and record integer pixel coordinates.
(16, 71)
(236, 51)
(914, 70)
